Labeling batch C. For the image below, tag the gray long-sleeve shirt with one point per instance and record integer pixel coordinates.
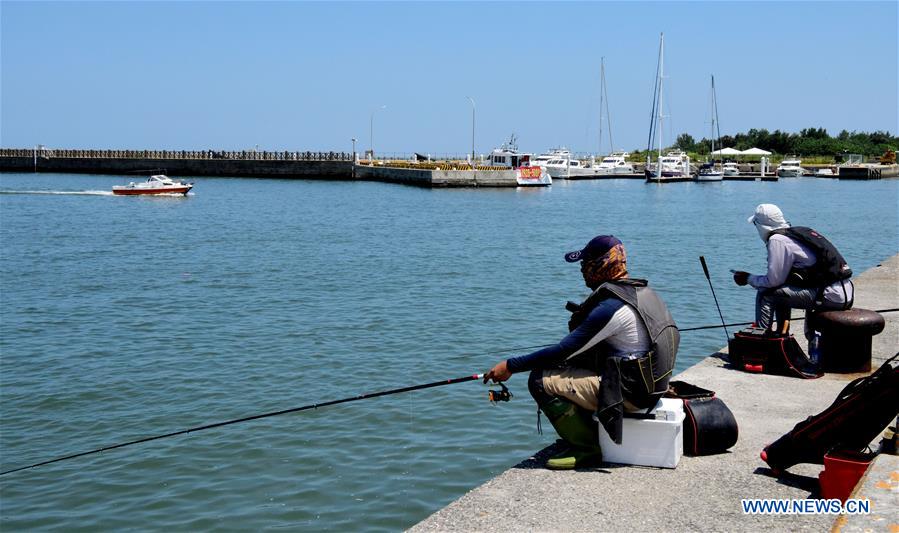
(785, 253)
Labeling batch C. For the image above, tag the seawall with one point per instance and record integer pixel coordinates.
(702, 493)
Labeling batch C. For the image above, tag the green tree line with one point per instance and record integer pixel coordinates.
(808, 142)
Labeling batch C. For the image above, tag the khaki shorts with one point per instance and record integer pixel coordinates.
(577, 385)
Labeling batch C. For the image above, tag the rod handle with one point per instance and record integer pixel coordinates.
(704, 267)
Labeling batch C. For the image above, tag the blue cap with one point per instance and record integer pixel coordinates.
(597, 247)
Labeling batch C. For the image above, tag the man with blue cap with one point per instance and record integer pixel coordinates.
(618, 354)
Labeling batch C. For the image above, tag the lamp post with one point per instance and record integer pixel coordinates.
(371, 129)
(353, 174)
(470, 99)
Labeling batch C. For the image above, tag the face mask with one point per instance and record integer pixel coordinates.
(764, 231)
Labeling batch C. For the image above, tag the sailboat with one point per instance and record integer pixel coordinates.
(674, 165)
(708, 171)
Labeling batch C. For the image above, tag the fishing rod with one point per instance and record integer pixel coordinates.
(705, 269)
(696, 328)
(502, 395)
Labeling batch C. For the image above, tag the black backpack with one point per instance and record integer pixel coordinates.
(829, 265)
(861, 411)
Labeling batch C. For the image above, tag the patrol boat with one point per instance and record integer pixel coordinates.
(526, 174)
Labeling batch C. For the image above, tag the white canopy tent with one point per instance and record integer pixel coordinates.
(754, 151)
(727, 151)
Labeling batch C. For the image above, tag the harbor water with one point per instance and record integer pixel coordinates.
(127, 317)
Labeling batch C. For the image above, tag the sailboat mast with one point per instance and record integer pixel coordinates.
(602, 83)
(717, 122)
(661, 114)
(712, 113)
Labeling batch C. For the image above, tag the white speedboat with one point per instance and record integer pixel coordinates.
(155, 184)
(790, 168)
(731, 169)
(825, 172)
(615, 163)
(526, 174)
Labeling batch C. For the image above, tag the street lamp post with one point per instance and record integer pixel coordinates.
(354, 157)
(470, 99)
(371, 129)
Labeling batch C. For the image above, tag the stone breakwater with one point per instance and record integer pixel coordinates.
(328, 165)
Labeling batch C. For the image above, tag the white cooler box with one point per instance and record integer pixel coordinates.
(658, 442)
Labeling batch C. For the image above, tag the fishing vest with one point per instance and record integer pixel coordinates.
(829, 265)
(663, 334)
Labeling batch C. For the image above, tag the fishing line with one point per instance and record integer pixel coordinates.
(696, 328)
(493, 397)
(502, 395)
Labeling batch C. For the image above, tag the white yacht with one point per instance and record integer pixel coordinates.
(554, 153)
(731, 169)
(790, 168)
(615, 163)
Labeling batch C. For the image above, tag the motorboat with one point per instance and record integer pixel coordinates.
(155, 184)
(561, 168)
(790, 168)
(554, 153)
(731, 169)
(526, 174)
(615, 163)
(825, 172)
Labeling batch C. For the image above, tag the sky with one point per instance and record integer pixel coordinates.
(314, 75)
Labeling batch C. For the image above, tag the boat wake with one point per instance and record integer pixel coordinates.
(69, 193)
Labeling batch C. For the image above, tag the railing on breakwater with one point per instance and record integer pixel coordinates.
(243, 155)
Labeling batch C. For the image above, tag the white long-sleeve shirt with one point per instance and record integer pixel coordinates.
(785, 253)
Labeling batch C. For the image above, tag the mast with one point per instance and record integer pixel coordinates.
(712, 105)
(604, 97)
(602, 83)
(661, 114)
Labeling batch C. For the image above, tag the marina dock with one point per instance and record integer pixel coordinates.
(316, 165)
(702, 493)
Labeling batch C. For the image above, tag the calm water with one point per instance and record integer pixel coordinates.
(125, 317)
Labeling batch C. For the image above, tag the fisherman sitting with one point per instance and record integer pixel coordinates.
(623, 334)
(805, 271)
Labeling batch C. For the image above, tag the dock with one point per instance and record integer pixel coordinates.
(319, 165)
(702, 493)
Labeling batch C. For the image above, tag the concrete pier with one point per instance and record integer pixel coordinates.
(702, 493)
(437, 177)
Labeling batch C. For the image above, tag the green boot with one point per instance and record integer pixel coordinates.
(579, 431)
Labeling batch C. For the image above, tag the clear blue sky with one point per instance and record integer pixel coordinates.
(308, 76)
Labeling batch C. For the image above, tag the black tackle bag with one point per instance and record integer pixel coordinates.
(861, 411)
(709, 426)
(757, 350)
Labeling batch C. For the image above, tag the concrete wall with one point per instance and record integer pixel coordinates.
(438, 178)
(183, 167)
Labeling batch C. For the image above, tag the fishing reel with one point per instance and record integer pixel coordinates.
(502, 395)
